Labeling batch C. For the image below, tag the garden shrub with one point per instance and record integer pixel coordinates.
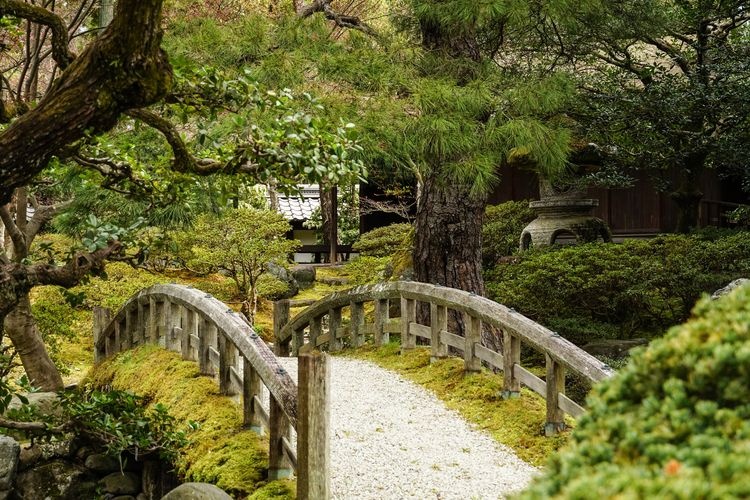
(673, 423)
(502, 228)
(385, 241)
(365, 270)
(634, 289)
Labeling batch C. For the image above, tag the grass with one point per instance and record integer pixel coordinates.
(220, 451)
(517, 423)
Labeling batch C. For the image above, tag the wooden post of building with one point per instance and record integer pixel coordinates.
(555, 386)
(381, 319)
(438, 324)
(473, 337)
(511, 358)
(334, 323)
(102, 317)
(313, 451)
(280, 318)
(408, 316)
(356, 323)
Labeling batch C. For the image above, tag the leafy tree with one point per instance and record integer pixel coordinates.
(241, 243)
(666, 88)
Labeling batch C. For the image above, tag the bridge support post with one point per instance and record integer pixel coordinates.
(251, 385)
(152, 330)
(278, 428)
(438, 324)
(313, 451)
(473, 336)
(511, 358)
(555, 385)
(334, 323)
(356, 323)
(381, 318)
(102, 317)
(280, 318)
(408, 316)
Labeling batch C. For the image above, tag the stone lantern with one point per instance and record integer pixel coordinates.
(565, 213)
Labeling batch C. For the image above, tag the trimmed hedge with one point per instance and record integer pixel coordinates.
(635, 289)
(674, 423)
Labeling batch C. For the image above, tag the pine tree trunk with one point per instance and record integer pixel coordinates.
(448, 246)
(22, 331)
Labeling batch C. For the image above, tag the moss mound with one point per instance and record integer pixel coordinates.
(220, 451)
(674, 423)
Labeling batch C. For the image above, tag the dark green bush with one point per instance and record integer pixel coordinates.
(502, 228)
(634, 289)
(384, 241)
(673, 423)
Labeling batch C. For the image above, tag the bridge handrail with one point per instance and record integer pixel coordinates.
(560, 354)
(205, 330)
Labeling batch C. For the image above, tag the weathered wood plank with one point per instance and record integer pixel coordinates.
(260, 411)
(280, 318)
(102, 317)
(290, 454)
(494, 359)
(356, 322)
(316, 330)
(511, 358)
(438, 323)
(420, 330)
(152, 324)
(473, 337)
(227, 360)
(207, 339)
(452, 340)
(408, 316)
(214, 356)
(555, 385)
(334, 322)
(278, 426)
(380, 336)
(313, 449)
(235, 379)
(570, 407)
(530, 380)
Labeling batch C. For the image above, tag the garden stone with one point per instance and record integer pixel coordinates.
(9, 453)
(29, 457)
(45, 402)
(56, 480)
(285, 276)
(101, 462)
(119, 483)
(729, 288)
(305, 275)
(196, 491)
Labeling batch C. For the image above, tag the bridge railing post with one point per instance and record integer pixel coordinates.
(251, 387)
(102, 317)
(356, 323)
(438, 324)
(511, 358)
(555, 385)
(381, 336)
(313, 450)
(473, 337)
(334, 323)
(152, 328)
(278, 430)
(316, 329)
(280, 318)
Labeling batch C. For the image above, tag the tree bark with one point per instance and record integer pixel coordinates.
(22, 331)
(448, 246)
(122, 69)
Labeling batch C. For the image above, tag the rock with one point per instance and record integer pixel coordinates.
(9, 453)
(46, 403)
(196, 491)
(730, 287)
(304, 275)
(29, 457)
(56, 479)
(124, 497)
(119, 483)
(285, 276)
(141, 496)
(101, 462)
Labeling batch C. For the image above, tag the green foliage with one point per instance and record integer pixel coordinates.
(674, 423)
(637, 288)
(385, 241)
(240, 243)
(123, 423)
(502, 229)
(365, 270)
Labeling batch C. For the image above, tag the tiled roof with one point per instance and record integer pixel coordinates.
(296, 208)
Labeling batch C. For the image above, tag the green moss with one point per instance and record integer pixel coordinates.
(220, 451)
(516, 423)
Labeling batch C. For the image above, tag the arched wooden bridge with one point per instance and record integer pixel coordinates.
(205, 330)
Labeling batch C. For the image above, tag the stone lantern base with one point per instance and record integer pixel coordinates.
(563, 216)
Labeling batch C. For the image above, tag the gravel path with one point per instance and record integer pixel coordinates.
(395, 440)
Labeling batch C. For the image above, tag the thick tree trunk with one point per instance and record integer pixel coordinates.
(22, 331)
(448, 242)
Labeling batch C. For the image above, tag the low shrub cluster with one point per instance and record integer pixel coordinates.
(384, 253)
(635, 289)
(673, 423)
(502, 228)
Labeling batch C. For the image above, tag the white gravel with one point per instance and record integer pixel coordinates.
(393, 439)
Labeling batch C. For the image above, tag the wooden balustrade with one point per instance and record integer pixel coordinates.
(304, 333)
(204, 330)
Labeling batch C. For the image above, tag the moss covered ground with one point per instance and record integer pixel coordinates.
(517, 423)
(220, 451)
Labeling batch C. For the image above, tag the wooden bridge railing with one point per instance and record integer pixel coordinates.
(305, 332)
(205, 330)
